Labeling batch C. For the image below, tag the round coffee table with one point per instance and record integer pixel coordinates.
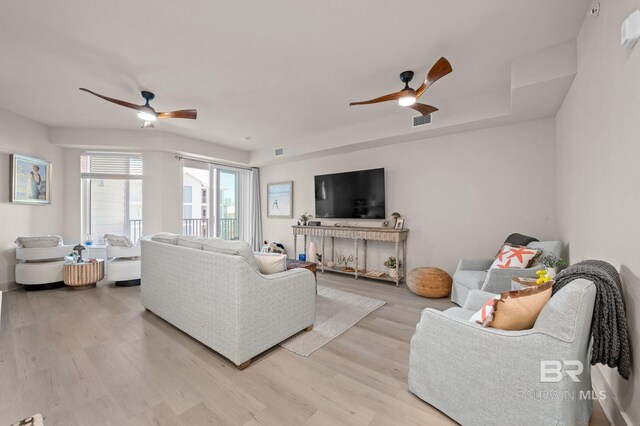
(83, 275)
(429, 282)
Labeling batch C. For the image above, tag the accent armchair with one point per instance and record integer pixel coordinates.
(474, 274)
(481, 376)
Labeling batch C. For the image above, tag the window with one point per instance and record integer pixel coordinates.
(111, 195)
(187, 211)
(204, 199)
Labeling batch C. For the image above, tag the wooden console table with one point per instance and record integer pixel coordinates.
(355, 233)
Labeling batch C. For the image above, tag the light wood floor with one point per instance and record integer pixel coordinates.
(96, 357)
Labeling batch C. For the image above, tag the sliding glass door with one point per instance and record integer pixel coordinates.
(227, 225)
(211, 201)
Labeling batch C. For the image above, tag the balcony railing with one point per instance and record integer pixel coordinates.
(135, 229)
(196, 227)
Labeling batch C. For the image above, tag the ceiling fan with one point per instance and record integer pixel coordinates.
(146, 112)
(407, 97)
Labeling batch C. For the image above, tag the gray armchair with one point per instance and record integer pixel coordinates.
(480, 376)
(474, 274)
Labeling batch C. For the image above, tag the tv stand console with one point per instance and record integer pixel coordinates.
(355, 233)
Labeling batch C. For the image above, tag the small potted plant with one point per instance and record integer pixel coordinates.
(304, 218)
(552, 263)
(395, 216)
(393, 265)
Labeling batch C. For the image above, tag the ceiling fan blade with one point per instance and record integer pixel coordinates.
(423, 109)
(184, 113)
(437, 71)
(385, 98)
(117, 101)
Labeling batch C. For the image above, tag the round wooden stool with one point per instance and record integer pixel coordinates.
(429, 282)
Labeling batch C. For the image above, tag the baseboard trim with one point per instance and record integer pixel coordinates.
(8, 286)
(610, 405)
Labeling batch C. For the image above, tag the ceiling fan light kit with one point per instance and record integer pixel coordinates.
(146, 112)
(408, 97)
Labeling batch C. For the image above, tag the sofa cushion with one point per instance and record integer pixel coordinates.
(191, 241)
(43, 254)
(470, 279)
(43, 241)
(459, 313)
(546, 248)
(123, 252)
(271, 263)
(166, 237)
(233, 248)
(118, 240)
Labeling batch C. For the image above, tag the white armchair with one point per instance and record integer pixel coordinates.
(41, 268)
(480, 376)
(474, 274)
(123, 265)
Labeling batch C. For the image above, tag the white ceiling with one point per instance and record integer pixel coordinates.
(277, 70)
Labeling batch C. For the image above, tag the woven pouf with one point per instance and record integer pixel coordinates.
(429, 282)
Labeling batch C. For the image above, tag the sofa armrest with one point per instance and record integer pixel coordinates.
(474, 264)
(476, 299)
(499, 280)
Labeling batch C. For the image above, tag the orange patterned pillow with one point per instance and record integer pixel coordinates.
(514, 257)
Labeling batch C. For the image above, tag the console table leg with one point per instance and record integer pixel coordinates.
(333, 250)
(397, 260)
(355, 244)
(324, 259)
(295, 247)
(305, 248)
(404, 259)
(364, 242)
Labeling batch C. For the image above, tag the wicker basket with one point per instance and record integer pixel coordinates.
(429, 282)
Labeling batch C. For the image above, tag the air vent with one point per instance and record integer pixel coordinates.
(421, 120)
(279, 152)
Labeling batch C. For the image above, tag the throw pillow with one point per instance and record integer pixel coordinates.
(271, 263)
(519, 240)
(516, 310)
(514, 257)
(44, 241)
(118, 240)
(481, 316)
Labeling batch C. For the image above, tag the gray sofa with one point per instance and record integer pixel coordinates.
(474, 274)
(212, 290)
(481, 376)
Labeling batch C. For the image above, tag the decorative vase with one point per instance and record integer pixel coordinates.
(311, 254)
(551, 272)
(393, 272)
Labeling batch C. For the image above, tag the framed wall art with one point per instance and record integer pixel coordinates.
(280, 199)
(30, 180)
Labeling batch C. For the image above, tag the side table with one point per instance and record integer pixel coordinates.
(311, 266)
(83, 275)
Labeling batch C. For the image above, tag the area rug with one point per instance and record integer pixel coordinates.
(336, 312)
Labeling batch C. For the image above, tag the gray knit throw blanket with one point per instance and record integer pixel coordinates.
(609, 324)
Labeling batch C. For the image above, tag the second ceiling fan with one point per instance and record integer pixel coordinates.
(407, 97)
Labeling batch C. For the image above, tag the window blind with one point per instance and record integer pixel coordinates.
(111, 165)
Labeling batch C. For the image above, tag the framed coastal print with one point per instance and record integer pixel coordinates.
(30, 180)
(280, 199)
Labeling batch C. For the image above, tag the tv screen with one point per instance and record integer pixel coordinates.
(351, 195)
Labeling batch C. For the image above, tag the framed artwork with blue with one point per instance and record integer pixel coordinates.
(30, 180)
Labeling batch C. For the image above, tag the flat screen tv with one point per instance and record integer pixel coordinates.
(351, 195)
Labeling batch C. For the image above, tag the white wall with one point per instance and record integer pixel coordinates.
(461, 194)
(19, 135)
(599, 175)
